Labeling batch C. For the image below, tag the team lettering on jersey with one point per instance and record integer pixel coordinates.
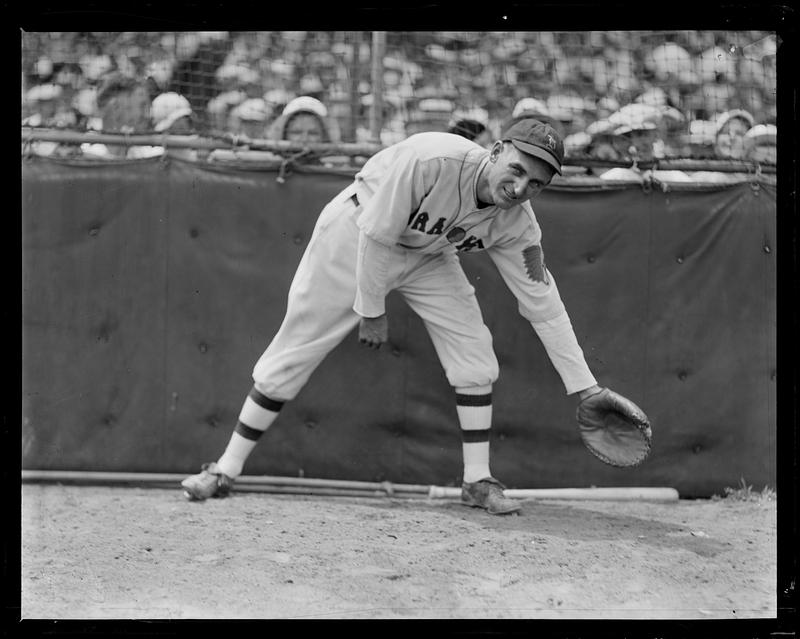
(418, 221)
(470, 243)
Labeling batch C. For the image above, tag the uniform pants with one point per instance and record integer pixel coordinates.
(320, 313)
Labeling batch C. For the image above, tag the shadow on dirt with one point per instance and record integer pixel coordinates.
(574, 523)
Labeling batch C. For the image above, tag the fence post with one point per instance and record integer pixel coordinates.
(355, 80)
(376, 112)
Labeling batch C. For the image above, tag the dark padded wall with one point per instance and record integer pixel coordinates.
(151, 288)
(94, 316)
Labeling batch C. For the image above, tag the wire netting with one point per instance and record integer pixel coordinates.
(681, 86)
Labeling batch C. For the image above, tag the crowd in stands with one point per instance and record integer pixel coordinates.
(612, 95)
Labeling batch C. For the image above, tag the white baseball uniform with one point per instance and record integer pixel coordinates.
(400, 226)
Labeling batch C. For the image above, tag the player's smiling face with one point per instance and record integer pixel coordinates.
(513, 177)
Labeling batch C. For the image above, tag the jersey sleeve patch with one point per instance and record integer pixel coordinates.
(534, 264)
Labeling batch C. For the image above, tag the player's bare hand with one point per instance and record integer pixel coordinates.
(373, 331)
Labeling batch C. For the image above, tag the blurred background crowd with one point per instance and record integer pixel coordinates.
(613, 95)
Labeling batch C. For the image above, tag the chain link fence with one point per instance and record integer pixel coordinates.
(697, 93)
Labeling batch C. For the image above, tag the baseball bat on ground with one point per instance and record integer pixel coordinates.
(346, 488)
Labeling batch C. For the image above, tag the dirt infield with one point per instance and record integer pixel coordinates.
(146, 553)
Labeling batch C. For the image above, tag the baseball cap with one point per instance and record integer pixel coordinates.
(475, 114)
(44, 93)
(537, 139)
(168, 108)
(305, 103)
(436, 105)
(253, 110)
(726, 117)
(530, 106)
(766, 134)
(601, 127)
(578, 141)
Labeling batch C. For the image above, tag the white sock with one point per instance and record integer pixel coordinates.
(257, 414)
(236, 453)
(476, 461)
(474, 407)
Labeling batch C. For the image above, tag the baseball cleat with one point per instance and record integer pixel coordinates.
(210, 482)
(487, 493)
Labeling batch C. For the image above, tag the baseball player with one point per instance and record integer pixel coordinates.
(412, 209)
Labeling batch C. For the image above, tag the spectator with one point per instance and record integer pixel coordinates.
(44, 69)
(471, 130)
(715, 97)
(277, 99)
(605, 144)
(730, 135)
(701, 138)
(95, 67)
(250, 119)
(220, 106)
(430, 114)
(172, 113)
(393, 126)
(638, 130)
(702, 73)
(472, 125)
(575, 145)
(124, 107)
(637, 124)
(569, 109)
(534, 108)
(653, 129)
(47, 113)
(85, 105)
(727, 141)
(668, 61)
(673, 133)
(160, 71)
(303, 120)
(716, 64)
(605, 106)
(761, 142)
(311, 86)
(236, 75)
(43, 102)
(758, 144)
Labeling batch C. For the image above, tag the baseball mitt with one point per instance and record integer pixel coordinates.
(614, 429)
